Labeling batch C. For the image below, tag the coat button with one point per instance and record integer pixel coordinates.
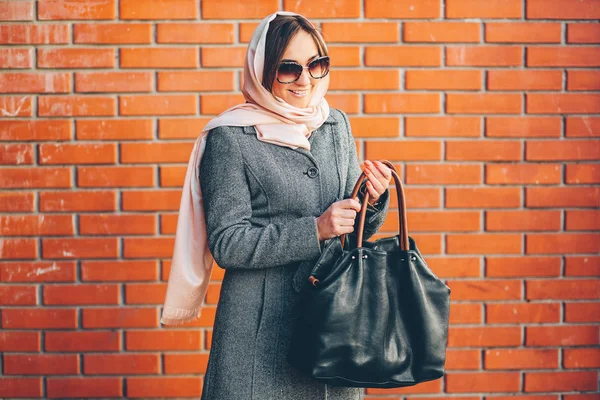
(313, 172)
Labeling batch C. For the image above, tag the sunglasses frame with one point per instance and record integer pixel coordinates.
(303, 68)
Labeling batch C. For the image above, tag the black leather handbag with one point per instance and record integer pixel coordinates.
(375, 315)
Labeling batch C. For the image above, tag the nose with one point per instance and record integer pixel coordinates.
(304, 78)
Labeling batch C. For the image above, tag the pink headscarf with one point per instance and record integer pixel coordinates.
(276, 122)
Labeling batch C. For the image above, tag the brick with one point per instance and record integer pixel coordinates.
(81, 294)
(172, 176)
(186, 363)
(195, 81)
(123, 224)
(447, 221)
(488, 56)
(164, 200)
(582, 312)
(231, 9)
(168, 224)
(455, 267)
(402, 103)
(99, 82)
(463, 360)
(163, 340)
(156, 9)
(560, 381)
(477, 9)
(582, 265)
(118, 271)
(70, 9)
(35, 177)
(22, 387)
(16, 154)
(35, 130)
(523, 32)
(487, 150)
(119, 317)
(365, 80)
(429, 244)
(518, 313)
(582, 220)
(475, 290)
(35, 83)
(582, 126)
(38, 271)
(581, 358)
(121, 364)
(563, 56)
(41, 364)
(36, 225)
(120, 176)
(84, 387)
(443, 80)
(77, 154)
(223, 57)
(489, 382)
(465, 313)
(19, 341)
(164, 386)
(195, 33)
(180, 128)
(77, 201)
(130, 33)
(148, 247)
(519, 127)
(582, 173)
(562, 197)
(82, 341)
(369, 127)
(403, 150)
(158, 105)
(16, 11)
(28, 318)
(80, 248)
(217, 103)
(562, 243)
(176, 57)
(519, 267)
(441, 32)
(146, 293)
(524, 80)
(484, 244)
(247, 30)
(76, 58)
(522, 174)
(349, 102)
(16, 58)
(18, 295)
(323, 8)
(442, 126)
(19, 249)
(446, 174)
(575, 150)
(14, 106)
(520, 359)
(583, 33)
(76, 106)
(402, 56)
(361, 32)
(345, 56)
(155, 152)
(583, 80)
(16, 202)
(488, 103)
(402, 9)
(579, 335)
(483, 198)
(563, 289)
(110, 129)
(522, 221)
(562, 9)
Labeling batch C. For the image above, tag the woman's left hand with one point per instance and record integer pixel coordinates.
(379, 176)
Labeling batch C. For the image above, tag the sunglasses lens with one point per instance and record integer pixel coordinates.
(319, 68)
(288, 72)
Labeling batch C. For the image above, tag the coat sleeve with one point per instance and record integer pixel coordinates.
(375, 216)
(233, 240)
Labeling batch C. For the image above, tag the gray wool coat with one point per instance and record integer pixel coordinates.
(261, 202)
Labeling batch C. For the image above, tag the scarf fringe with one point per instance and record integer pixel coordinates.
(180, 321)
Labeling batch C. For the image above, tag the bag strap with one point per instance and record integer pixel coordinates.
(402, 226)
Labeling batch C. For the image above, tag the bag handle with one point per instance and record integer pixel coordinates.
(402, 226)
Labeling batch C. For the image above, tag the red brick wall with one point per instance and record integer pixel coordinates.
(489, 108)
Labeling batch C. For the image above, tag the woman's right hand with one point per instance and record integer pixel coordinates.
(338, 219)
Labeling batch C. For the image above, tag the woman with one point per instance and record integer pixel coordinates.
(276, 175)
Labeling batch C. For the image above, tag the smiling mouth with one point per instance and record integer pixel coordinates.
(299, 93)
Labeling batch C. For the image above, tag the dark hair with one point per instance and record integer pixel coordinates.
(281, 31)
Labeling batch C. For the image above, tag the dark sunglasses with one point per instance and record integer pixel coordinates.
(290, 72)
